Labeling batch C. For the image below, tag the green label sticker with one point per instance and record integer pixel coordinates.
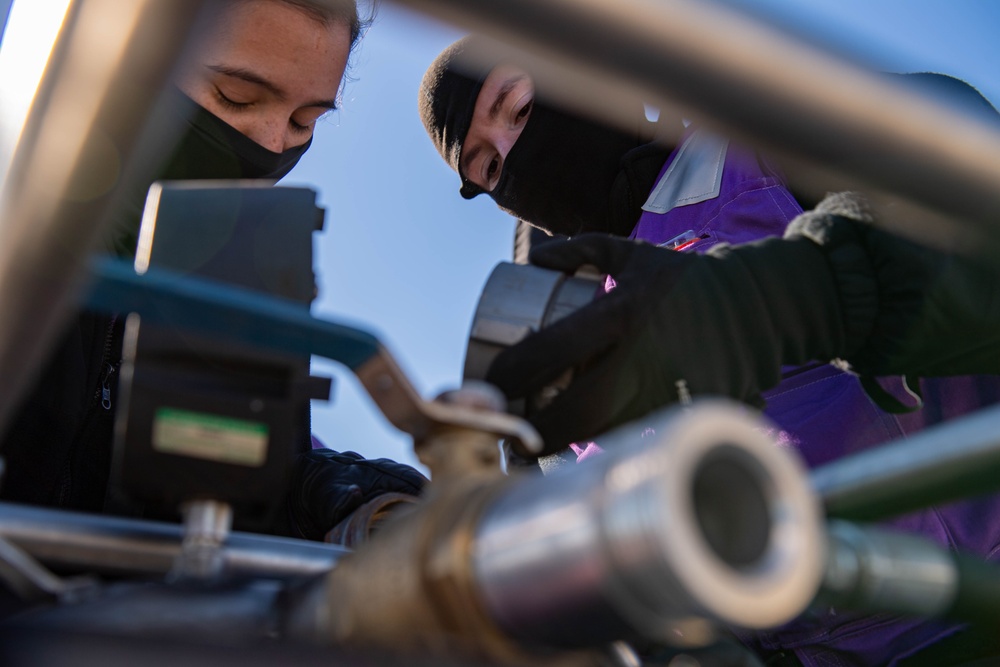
(210, 437)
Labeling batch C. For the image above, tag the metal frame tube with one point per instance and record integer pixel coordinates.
(874, 569)
(96, 544)
(947, 462)
(754, 81)
(83, 137)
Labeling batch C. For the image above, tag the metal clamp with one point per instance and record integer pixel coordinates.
(517, 300)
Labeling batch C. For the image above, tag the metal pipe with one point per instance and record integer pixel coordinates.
(753, 81)
(84, 137)
(946, 462)
(358, 528)
(517, 300)
(77, 542)
(874, 569)
(235, 614)
(207, 524)
(701, 518)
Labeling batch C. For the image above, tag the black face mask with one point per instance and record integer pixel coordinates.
(210, 148)
(207, 148)
(561, 171)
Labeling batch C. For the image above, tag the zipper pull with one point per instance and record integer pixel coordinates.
(106, 388)
(683, 393)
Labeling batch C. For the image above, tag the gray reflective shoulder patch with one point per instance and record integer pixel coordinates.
(694, 176)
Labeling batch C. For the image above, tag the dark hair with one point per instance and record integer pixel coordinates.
(447, 98)
(339, 11)
(336, 11)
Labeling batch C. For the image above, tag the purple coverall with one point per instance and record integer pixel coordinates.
(713, 191)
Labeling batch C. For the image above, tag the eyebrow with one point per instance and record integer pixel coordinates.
(505, 90)
(253, 77)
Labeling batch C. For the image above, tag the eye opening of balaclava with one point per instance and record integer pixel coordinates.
(566, 173)
(447, 99)
(561, 173)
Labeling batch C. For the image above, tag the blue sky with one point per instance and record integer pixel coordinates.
(403, 256)
(406, 258)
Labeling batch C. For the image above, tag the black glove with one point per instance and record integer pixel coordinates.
(835, 287)
(327, 486)
(724, 323)
(908, 309)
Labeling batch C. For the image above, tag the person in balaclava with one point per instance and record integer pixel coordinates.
(572, 176)
(247, 98)
(531, 179)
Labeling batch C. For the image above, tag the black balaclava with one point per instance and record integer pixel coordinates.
(448, 95)
(565, 174)
(561, 174)
(207, 148)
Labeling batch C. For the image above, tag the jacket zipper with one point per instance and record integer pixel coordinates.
(103, 393)
(102, 397)
(105, 390)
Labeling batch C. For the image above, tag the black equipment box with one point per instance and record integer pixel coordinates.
(203, 417)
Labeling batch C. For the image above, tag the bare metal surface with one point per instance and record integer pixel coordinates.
(392, 392)
(31, 582)
(406, 592)
(754, 81)
(517, 300)
(78, 146)
(362, 523)
(109, 545)
(942, 463)
(874, 569)
(454, 453)
(207, 524)
(626, 540)
(628, 545)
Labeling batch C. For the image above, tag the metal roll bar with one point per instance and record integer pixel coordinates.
(84, 137)
(878, 570)
(736, 72)
(78, 542)
(943, 463)
(752, 81)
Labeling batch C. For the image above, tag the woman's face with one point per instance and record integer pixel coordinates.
(269, 70)
(502, 108)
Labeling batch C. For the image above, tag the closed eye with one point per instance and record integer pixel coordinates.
(230, 103)
(307, 118)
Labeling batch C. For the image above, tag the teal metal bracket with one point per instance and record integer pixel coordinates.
(275, 324)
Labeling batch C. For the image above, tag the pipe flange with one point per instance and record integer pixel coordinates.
(517, 300)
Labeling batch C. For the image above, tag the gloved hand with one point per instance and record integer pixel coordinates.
(835, 287)
(327, 486)
(724, 323)
(909, 309)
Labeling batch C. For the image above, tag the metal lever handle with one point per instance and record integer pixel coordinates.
(32, 582)
(162, 296)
